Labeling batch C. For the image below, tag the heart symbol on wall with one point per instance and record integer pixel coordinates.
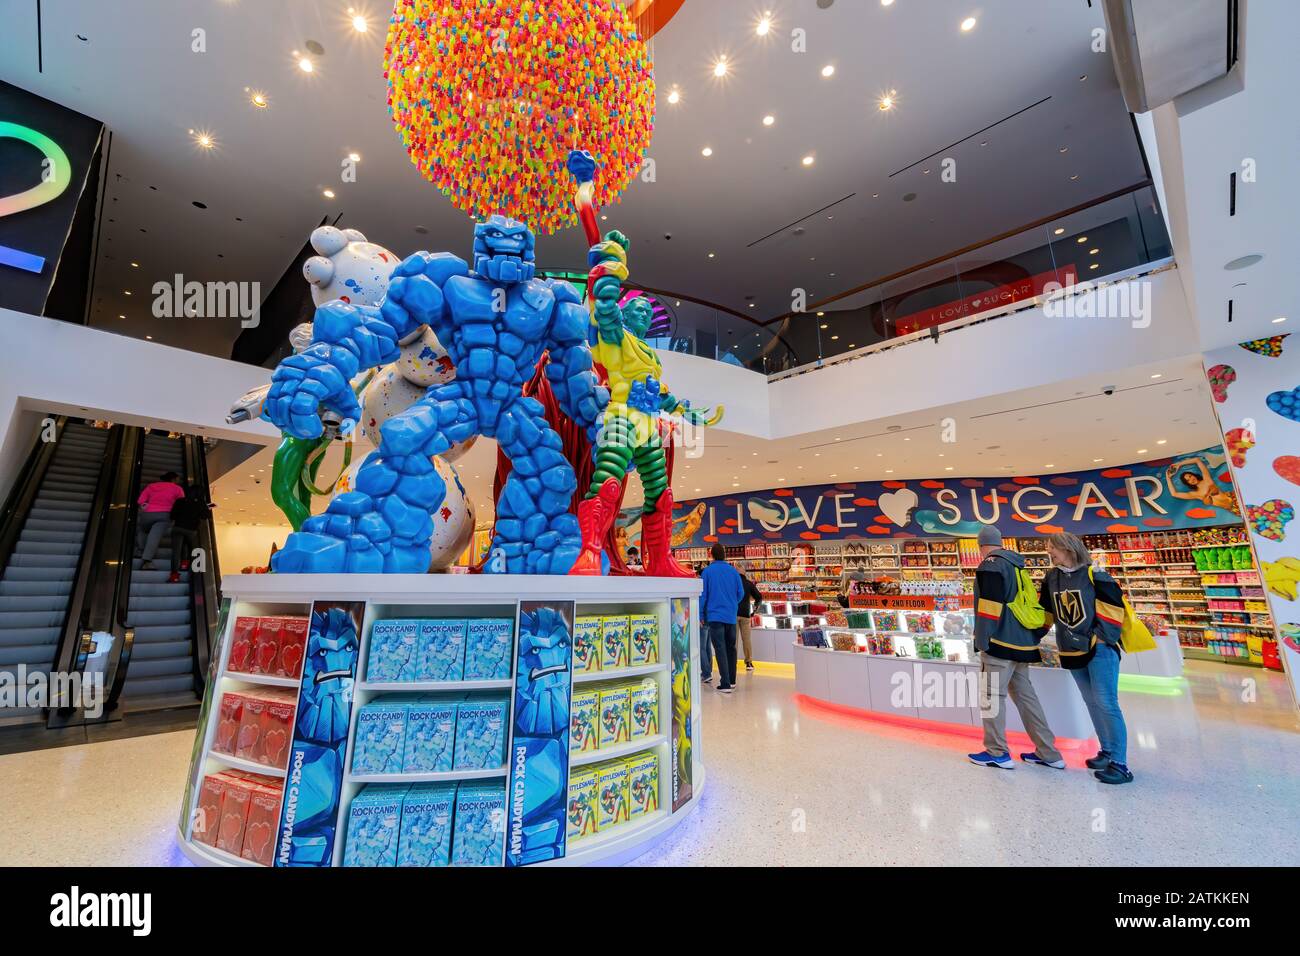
(1286, 404)
(1270, 519)
(1269, 348)
(897, 506)
(1221, 376)
(1288, 467)
(1239, 441)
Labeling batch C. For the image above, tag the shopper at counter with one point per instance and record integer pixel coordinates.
(1007, 647)
(719, 606)
(743, 614)
(1087, 607)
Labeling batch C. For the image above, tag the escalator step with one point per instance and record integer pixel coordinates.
(31, 602)
(18, 588)
(54, 563)
(173, 666)
(62, 525)
(41, 536)
(159, 650)
(28, 636)
(162, 632)
(39, 547)
(37, 657)
(18, 619)
(170, 602)
(157, 686)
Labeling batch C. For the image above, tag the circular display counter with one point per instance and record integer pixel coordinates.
(464, 720)
(945, 692)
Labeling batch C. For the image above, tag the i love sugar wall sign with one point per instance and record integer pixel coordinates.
(1192, 490)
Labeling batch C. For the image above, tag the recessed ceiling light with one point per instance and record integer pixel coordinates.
(259, 100)
(886, 3)
(1141, 451)
(968, 24)
(149, 337)
(305, 64)
(1281, 318)
(327, 193)
(824, 326)
(1081, 240)
(764, 25)
(1162, 441)
(707, 151)
(135, 265)
(885, 103)
(359, 23)
(1074, 177)
(1096, 461)
(675, 97)
(1049, 466)
(720, 68)
(710, 255)
(828, 70)
(808, 160)
(121, 316)
(769, 120)
(1058, 230)
(1157, 374)
(126, 292)
(354, 157)
(1063, 150)
(889, 471)
(1093, 251)
(834, 338)
(1094, 265)
(204, 140)
(949, 468)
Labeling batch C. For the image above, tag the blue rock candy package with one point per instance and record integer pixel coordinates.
(442, 650)
(616, 639)
(430, 736)
(489, 648)
(643, 784)
(374, 819)
(584, 721)
(481, 729)
(645, 639)
(380, 736)
(393, 650)
(644, 706)
(479, 837)
(615, 716)
(587, 647)
(428, 812)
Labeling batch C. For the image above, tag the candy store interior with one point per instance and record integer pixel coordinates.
(534, 433)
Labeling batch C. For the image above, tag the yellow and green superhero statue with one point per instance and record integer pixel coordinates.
(638, 400)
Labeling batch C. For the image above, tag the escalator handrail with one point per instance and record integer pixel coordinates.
(69, 656)
(204, 596)
(115, 615)
(18, 504)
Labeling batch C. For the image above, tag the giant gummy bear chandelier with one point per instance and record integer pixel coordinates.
(489, 96)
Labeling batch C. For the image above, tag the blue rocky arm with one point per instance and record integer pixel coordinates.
(569, 371)
(415, 291)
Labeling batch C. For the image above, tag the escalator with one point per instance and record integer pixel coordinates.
(74, 598)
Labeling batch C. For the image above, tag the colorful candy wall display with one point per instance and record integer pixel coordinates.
(490, 95)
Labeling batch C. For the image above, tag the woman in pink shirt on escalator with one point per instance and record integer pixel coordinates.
(155, 503)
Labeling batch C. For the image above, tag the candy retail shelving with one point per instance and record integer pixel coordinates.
(470, 597)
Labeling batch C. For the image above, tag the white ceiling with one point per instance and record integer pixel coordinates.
(1242, 123)
(130, 63)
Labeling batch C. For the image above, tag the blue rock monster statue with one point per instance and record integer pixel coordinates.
(495, 321)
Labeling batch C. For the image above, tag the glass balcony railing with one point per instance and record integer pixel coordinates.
(1118, 234)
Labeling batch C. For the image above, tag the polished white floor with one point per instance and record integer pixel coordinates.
(793, 784)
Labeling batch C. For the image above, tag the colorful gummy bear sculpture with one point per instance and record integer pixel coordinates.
(494, 321)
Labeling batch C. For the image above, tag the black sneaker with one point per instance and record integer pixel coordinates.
(727, 690)
(749, 665)
(1099, 762)
(1115, 773)
(706, 680)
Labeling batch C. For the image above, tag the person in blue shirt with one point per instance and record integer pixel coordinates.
(723, 592)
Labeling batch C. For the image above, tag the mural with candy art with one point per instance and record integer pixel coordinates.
(1256, 387)
(1193, 490)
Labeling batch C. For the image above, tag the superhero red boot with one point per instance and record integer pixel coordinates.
(595, 515)
(656, 541)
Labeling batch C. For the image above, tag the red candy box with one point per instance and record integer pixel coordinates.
(241, 645)
(266, 645)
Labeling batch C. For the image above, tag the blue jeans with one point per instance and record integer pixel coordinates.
(723, 639)
(1099, 685)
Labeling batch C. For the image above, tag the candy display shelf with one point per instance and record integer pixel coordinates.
(387, 597)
